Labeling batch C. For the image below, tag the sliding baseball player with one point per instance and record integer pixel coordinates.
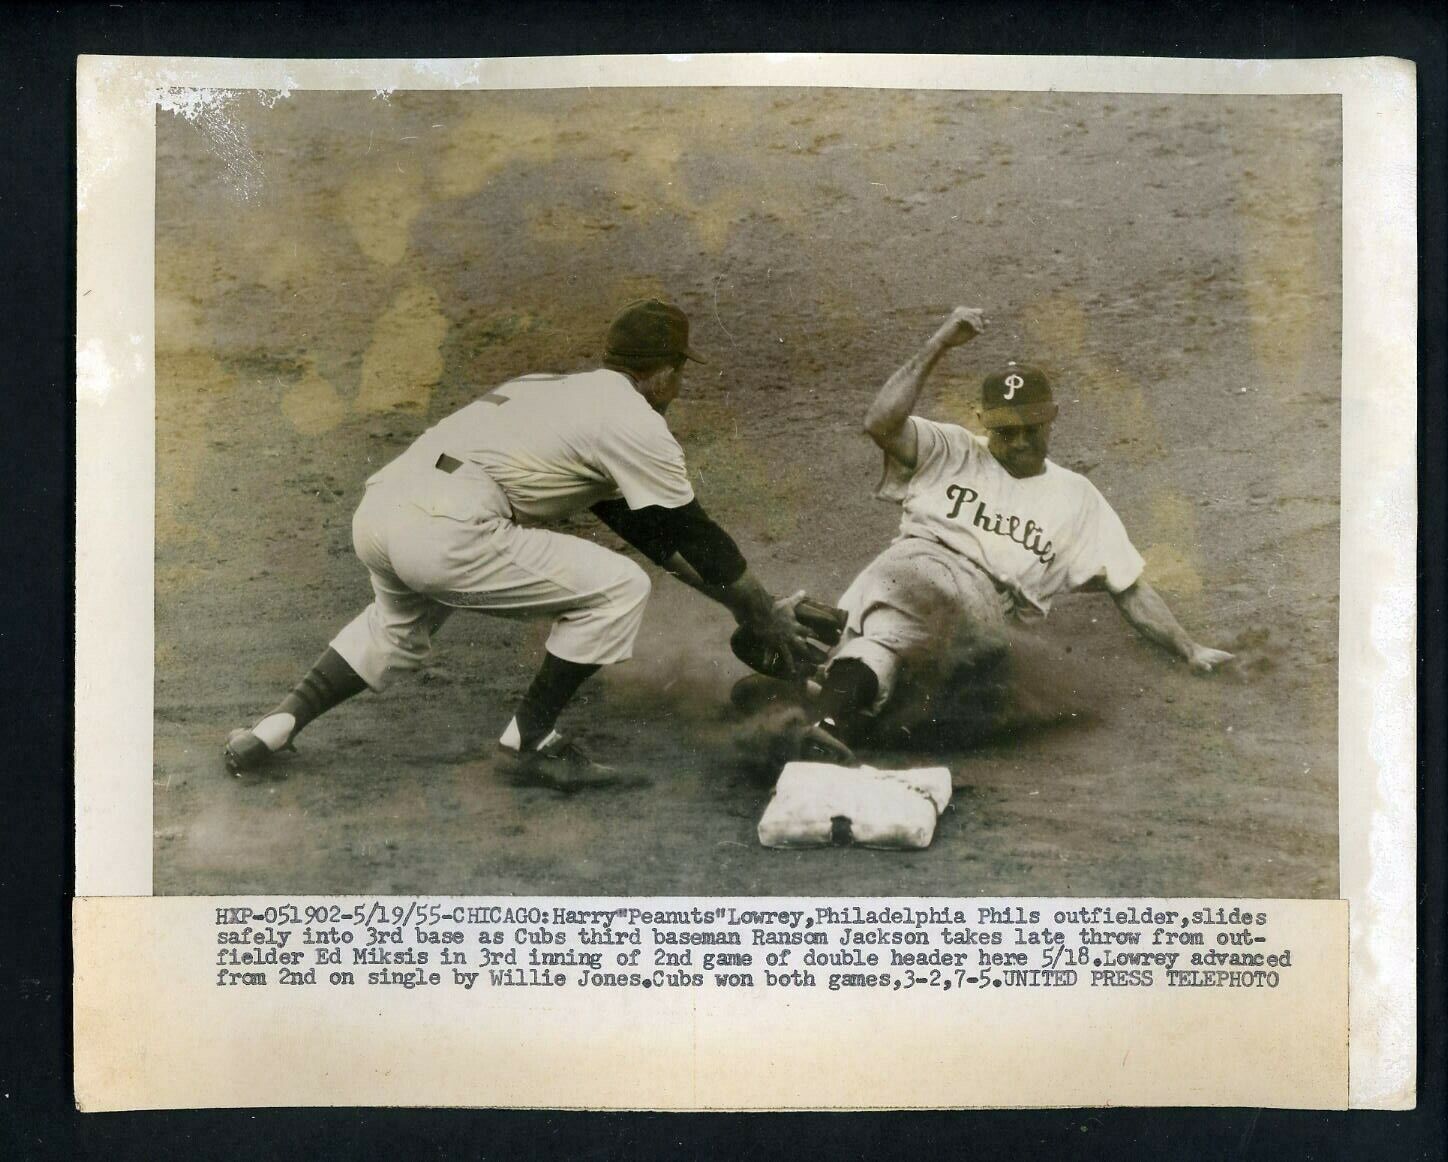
(990, 529)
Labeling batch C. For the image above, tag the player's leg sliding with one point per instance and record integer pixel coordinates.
(535, 752)
(849, 688)
(330, 682)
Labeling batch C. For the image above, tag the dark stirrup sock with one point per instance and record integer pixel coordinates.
(556, 683)
(849, 685)
(329, 682)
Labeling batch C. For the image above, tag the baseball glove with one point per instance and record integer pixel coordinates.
(824, 624)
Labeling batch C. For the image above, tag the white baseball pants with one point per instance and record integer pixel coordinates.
(434, 542)
(916, 606)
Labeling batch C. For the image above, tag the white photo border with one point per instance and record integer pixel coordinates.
(115, 436)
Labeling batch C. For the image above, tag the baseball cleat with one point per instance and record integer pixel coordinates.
(817, 743)
(558, 764)
(245, 753)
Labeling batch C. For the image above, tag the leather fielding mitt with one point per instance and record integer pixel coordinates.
(823, 623)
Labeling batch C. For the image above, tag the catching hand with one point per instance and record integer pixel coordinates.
(784, 630)
(796, 635)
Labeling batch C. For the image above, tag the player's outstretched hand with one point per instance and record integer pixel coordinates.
(791, 639)
(1204, 659)
(963, 325)
(785, 631)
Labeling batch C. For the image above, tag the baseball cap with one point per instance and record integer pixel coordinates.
(1018, 395)
(650, 327)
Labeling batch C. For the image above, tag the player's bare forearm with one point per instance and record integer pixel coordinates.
(886, 416)
(1147, 613)
(895, 402)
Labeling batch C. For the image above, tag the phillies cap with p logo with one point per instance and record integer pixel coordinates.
(649, 328)
(1016, 397)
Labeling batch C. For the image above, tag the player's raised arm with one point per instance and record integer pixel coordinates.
(885, 418)
(1143, 607)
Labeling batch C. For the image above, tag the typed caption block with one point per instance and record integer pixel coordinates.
(413, 944)
(699, 1003)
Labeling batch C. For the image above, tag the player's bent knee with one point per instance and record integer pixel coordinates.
(935, 587)
(634, 585)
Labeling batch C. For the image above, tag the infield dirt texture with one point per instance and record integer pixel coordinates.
(336, 271)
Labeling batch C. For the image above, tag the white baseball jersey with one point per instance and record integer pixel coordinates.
(558, 444)
(534, 450)
(1036, 537)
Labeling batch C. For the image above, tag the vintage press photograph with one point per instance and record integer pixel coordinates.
(666, 491)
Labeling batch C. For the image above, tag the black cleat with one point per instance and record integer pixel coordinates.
(818, 743)
(560, 765)
(244, 753)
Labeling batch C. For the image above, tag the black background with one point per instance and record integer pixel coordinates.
(38, 46)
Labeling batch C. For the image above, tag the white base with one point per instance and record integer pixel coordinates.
(889, 809)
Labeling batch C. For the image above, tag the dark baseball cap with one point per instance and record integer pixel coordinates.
(649, 328)
(1015, 397)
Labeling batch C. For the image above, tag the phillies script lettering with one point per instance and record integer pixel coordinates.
(1028, 534)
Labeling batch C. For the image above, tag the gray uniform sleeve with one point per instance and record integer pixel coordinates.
(933, 447)
(642, 457)
(1102, 551)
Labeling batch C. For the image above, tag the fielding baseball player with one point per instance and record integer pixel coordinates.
(451, 524)
(990, 529)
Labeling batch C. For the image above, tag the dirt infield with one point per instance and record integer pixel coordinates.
(335, 272)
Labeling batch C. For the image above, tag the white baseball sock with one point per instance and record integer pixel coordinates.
(275, 729)
(513, 738)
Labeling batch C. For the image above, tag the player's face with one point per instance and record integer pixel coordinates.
(1021, 449)
(664, 387)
